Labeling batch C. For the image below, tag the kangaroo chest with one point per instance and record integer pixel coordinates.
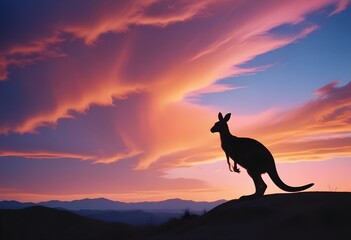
(235, 153)
(227, 147)
(230, 150)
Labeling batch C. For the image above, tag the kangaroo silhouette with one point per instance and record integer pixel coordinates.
(251, 155)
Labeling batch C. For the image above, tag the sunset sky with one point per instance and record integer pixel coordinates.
(116, 99)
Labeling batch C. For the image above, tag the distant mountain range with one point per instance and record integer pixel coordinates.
(170, 205)
(142, 213)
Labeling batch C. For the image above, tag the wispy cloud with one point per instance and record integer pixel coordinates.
(146, 54)
(43, 155)
(341, 6)
(213, 88)
(316, 130)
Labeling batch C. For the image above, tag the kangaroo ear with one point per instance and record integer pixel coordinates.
(220, 116)
(227, 117)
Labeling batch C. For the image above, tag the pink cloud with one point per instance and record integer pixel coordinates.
(154, 13)
(42, 154)
(341, 6)
(3, 68)
(213, 88)
(313, 131)
(325, 90)
(26, 54)
(161, 51)
(97, 19)
(317, 130)
(70, 179)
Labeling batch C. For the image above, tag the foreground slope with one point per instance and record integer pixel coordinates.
(308, 215)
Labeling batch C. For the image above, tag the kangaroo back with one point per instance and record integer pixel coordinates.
(273, 174)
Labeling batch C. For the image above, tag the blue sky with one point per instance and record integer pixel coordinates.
(296, 70)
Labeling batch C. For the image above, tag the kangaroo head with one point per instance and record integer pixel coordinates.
(221, 125)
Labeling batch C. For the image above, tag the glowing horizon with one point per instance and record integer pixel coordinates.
(116, 100)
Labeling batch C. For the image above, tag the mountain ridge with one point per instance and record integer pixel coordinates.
(175, 204)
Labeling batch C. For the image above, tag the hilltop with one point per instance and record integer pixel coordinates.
(307, 215)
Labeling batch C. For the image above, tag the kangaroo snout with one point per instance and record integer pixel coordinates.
(213, 129)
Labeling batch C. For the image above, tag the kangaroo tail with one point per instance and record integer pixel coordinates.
(273, 174)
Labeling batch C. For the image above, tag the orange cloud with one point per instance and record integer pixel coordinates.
(105, 17)
(122, 15)
(20, 55)
(317, 130)
(162, 63)
(3, 68)
(43, 155)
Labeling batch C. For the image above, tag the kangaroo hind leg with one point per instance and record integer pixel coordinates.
(260, 186)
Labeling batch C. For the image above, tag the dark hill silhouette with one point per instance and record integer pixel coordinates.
(134, 217)
(46, 223)
(308, 215)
